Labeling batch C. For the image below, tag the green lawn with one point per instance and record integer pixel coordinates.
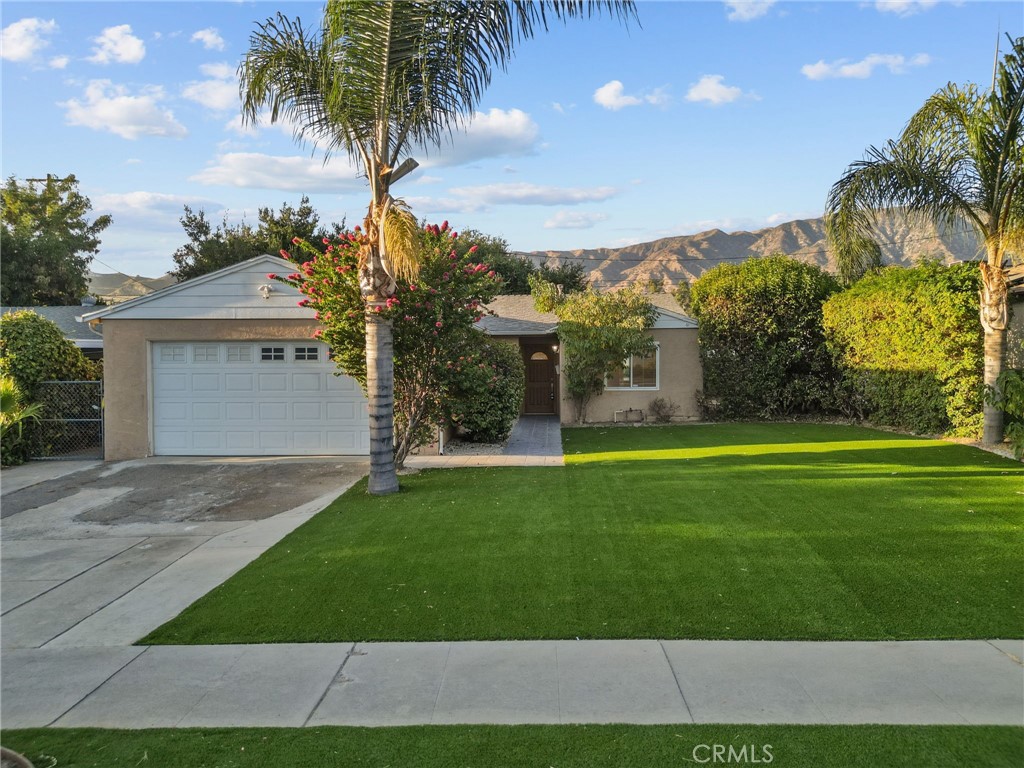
(749, 531)
(438, 746)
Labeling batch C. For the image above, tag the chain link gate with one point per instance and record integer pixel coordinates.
(71, 421)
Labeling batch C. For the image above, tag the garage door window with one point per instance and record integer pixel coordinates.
(239, 354)
(272, 353)
(307, 354)
(205, 353)
(175, 354)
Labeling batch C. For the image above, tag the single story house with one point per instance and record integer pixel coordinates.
(81, 334)
(226, 365)
(673, 372)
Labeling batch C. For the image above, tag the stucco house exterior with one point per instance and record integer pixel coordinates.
(226, 365)
(673, 373)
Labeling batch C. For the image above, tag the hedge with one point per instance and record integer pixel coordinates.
(911, 347)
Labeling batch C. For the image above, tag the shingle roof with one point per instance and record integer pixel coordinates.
(64, 318)
(516, 315)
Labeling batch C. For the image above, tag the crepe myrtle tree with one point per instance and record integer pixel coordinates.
(433, 318)
(377, 80)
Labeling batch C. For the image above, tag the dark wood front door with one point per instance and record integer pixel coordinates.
(541, 386)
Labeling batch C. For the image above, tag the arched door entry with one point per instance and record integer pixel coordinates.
(541, 380)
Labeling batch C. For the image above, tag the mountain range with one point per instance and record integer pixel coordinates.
(672, 260)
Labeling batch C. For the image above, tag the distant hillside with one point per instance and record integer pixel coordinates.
(115, 288)
(687, 257)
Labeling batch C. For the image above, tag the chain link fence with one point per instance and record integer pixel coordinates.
(70, 424)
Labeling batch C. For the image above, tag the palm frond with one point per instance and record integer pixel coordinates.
(400, 241)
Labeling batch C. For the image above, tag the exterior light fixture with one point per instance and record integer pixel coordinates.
(265, 290)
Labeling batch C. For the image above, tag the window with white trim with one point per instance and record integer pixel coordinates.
(637, 372)
(271, 353)
(307, 354)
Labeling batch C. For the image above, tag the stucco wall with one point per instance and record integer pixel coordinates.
(680, 377)
(126, 368)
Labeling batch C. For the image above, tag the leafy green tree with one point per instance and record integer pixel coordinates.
(571, 276)
(761, 340)
(433, 317)
(375, 80)
(597, 332)
(47, 242)
(959, 159)
(211, 248)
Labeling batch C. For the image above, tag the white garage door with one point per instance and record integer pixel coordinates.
(269, 398)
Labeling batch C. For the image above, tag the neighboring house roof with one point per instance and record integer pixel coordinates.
(1015, 278)
(516, 316)
(232, 293)
(66, 318)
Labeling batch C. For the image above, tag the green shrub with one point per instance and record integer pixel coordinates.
(488, 391)
(14, 415)
(33, 349)
(1009, 398)
(761, 339)
(910, 347)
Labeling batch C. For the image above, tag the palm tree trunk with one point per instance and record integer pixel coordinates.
(995, 349)
(994, 316)
(380, 390)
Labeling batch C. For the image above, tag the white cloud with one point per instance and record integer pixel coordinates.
(425, 180)
(210, 38)
(237, 126)
(521, 193)
(896, 63)
(612, 96)
(713, 90)
(109, 107)
(220, 70)
(496, 133)
(254, 170)
(118, 45)
(151, 207)
(59, 62)
(218, 95)
(905, 7)
(445, 205)
(574, 220)
(746, 10)
(23, 39)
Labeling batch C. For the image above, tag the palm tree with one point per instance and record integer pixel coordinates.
(959, 159)
(379, 78)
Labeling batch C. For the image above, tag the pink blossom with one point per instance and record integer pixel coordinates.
(474, 249)
(296, 240)
(285, 254)
(271, 276)
(326, 241)
(438, 324)
(412, 287)
(318, 333)
(303, 302)
(444, 225)
(409, 318)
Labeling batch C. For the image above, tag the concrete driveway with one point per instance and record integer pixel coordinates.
(97, 554)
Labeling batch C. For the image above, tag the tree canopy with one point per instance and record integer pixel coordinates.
(211, 248)
(47, 241)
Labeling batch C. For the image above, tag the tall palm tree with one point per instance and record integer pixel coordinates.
(959, 159)
(378, 78)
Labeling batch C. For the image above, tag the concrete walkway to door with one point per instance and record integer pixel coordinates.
(536, 441)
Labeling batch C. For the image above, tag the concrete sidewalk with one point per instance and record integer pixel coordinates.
(601, 681)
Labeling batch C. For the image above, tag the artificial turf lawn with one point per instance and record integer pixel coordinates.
(621, 746)
(746, 531)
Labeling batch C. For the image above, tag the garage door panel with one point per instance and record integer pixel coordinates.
(170, 382)
(206, 411)
(239, 411)
(258, 398)
(308, 411)
(239, 382)
(273, 382)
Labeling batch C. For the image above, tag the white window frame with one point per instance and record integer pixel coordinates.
(627, 364)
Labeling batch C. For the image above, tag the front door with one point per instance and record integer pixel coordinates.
(541, 385)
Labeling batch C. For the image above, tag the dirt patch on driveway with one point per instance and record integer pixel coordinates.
(162, 491)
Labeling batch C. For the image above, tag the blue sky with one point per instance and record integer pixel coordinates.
(706, 114)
